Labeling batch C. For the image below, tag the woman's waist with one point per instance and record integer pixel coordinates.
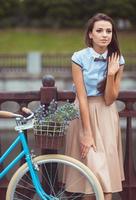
(96, 98)
(93, 99)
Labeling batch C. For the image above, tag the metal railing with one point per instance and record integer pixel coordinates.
(14, 62)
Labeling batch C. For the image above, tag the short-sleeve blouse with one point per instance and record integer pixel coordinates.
(94, 73)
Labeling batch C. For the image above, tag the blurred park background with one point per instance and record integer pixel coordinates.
(38, 37)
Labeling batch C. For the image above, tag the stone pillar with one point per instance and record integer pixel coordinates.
(34, 63)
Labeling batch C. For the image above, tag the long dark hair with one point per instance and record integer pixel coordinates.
(114, 44)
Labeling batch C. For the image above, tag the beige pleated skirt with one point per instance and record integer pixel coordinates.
(107, 161)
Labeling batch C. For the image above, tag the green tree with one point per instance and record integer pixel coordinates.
(62, 13)
(9, 11)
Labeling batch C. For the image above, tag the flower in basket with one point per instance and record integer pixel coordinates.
(55, 119)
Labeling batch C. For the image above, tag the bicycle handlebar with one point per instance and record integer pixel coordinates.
(21, 121)
(7, 114)
(25, 123)
(28, 111)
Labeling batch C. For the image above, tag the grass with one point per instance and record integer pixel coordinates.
(127, 42)
(48, 41)
(54, 41)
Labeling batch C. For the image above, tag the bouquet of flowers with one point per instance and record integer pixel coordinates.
(55, 119)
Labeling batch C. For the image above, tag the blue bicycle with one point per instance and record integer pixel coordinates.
(43, 177)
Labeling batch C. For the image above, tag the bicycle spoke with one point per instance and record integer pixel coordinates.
(26, 197)
(21, 186)
(50, 183)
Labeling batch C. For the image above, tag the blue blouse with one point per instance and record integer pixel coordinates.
(94, 73)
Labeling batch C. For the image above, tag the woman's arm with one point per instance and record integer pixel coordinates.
(87, 140)
(113, 79)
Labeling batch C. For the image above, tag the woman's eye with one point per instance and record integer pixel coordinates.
(98, 31)
(109, 31)
(101, 30)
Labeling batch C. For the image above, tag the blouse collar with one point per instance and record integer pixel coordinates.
(94, 54)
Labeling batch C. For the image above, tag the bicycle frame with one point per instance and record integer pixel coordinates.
(24, 153)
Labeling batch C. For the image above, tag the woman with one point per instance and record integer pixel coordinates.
(95, 138)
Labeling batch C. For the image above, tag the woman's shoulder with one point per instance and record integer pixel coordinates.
(81, 54)
(79, 57)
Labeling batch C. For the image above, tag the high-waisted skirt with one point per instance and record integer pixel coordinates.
(107, 162)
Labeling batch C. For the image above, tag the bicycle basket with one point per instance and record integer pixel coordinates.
(49, 134)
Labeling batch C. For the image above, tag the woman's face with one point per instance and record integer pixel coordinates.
(101, 34)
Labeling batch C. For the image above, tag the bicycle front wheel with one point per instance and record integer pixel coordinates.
(52, 175)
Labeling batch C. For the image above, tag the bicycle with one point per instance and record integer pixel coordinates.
(33, 180)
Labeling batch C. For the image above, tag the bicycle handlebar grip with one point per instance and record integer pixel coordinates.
(26, 110)
(7, 114)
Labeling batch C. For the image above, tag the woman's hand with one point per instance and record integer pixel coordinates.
(86, 143)
(113, 64)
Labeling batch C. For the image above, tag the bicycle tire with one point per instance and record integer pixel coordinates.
(14, 188)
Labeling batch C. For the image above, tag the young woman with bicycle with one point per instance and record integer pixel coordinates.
(95, 138)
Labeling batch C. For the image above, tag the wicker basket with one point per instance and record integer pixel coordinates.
(49, 135)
